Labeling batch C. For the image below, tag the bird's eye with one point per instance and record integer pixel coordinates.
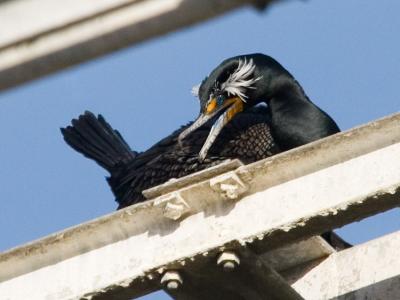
(220, 100)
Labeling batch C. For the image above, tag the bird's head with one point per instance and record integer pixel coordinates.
(236, 84)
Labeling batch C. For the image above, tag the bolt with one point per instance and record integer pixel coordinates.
(228, 260)
(171, 280)
(173, 285)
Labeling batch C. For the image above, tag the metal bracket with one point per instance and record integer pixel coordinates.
(174, 205)
(228, 185)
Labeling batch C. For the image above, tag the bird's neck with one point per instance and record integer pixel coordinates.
(295, 120)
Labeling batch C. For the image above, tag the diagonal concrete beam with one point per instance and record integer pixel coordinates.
(38, 37)
(367, 271)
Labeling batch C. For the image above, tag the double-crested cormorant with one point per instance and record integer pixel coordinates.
(251, 108)
(232, 123)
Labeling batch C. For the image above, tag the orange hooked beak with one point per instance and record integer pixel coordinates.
(228, 109)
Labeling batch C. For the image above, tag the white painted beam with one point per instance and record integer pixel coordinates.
(367, 271)
(294, 195)
(38, 37)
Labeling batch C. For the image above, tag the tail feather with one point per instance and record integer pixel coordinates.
(114, 134)
(94, 138)
(105, 138)
(80, 144)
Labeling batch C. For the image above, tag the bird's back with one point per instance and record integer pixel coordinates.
(247, 137)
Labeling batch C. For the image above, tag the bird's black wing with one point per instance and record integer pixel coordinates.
(163, 161)
(247, 137)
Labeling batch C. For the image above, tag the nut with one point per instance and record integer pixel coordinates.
(172, 280)
(228, 260)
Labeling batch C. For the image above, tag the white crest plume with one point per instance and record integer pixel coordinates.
(195, 90)
(241, 79)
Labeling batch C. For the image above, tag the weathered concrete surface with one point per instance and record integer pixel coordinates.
(288, 197)
(370, 271)
(38, 37)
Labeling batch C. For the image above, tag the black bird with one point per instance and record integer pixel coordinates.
(251, 108)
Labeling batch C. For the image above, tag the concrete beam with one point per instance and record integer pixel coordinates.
(38, 37)
(297, 254)
(265, 205)
(367, 271)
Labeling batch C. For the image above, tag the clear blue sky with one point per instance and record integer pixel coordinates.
(345, 53)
